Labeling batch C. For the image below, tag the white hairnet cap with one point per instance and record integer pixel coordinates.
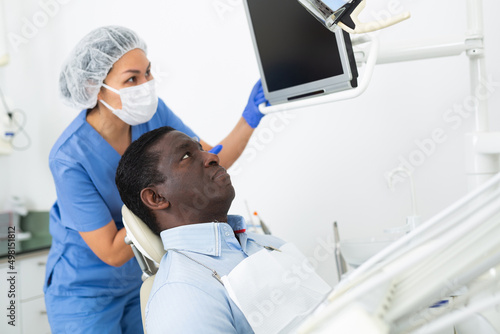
(90, 62)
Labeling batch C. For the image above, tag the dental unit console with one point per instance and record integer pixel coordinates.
(297, 57)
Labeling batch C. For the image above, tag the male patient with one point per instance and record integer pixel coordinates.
(183, 194)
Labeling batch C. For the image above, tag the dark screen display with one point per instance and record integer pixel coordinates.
(294, 47)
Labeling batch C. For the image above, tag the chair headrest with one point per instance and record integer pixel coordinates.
(148, 243)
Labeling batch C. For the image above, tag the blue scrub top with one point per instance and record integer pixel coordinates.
(83, 165)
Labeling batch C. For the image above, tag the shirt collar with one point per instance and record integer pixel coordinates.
(204, 238)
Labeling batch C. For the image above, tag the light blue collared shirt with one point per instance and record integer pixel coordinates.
(185, 297)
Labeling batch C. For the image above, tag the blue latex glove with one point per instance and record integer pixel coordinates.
(216, 149)
(251, 114)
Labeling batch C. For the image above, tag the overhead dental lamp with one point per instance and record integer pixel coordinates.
(344, 14)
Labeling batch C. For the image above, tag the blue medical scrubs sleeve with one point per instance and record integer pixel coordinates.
(182, 308)
(81, 205)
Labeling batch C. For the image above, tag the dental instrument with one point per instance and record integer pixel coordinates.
(339, 259)
(264, 227)
(344, 14)
(252, 225)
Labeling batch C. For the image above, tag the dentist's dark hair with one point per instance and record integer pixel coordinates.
(138, 169)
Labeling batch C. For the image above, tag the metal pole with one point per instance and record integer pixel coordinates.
(475, 32)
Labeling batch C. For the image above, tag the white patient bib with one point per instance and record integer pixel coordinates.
(275, 290)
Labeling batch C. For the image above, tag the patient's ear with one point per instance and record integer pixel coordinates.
(153, 200)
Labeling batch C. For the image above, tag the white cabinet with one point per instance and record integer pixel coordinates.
(31, 276)
(34, 317)
(29, 314)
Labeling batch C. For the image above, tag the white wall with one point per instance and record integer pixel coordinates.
(304, 169)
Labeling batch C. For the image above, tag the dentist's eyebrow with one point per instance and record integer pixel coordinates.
(137, 71)
(131, 71)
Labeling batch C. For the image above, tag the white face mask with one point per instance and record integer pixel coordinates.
(139, 103)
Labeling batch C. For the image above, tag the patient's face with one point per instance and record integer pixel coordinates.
(195, 179)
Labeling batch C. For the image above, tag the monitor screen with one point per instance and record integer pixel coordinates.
(292, 46)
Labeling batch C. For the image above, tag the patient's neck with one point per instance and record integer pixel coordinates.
(176, 221)
(219, 219)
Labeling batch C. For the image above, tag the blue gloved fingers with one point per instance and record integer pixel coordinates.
(216, 149)
(252, 113)
(260, 98)
(256, 88)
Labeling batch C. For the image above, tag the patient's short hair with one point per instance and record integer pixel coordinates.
(138, 169)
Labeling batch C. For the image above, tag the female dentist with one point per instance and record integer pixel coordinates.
(92, 280)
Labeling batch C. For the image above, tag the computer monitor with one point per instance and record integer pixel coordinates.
(297, 56)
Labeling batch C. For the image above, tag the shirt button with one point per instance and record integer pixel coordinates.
(227, 234)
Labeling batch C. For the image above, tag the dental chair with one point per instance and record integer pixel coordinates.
(148, 250)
